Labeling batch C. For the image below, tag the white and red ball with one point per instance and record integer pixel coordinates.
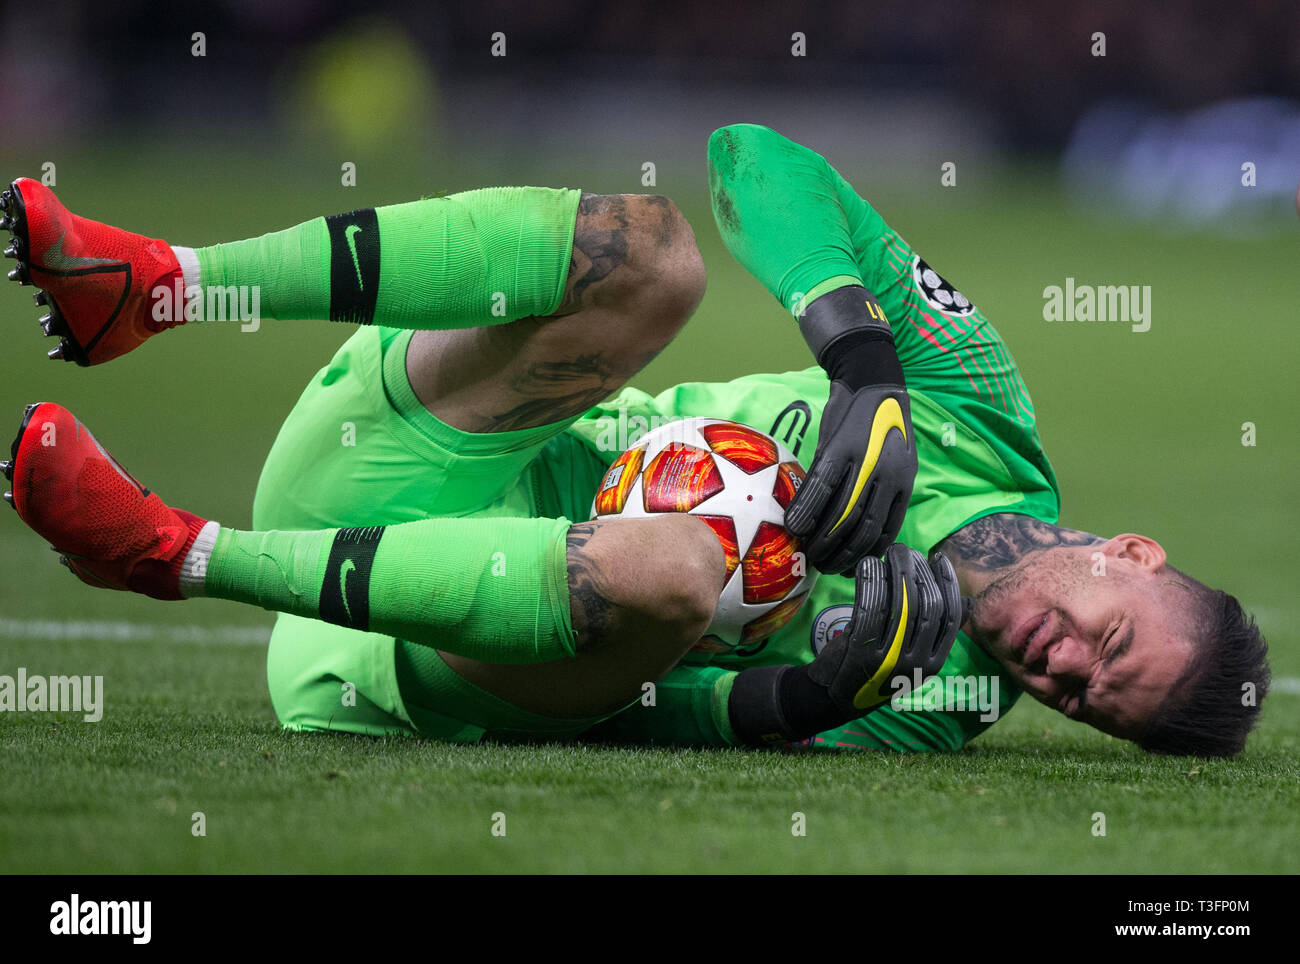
(739, 481)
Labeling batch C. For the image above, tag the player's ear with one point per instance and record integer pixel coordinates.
(1141, 551)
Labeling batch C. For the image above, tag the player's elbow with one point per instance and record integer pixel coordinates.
(738, 155)
(737, 151)
(733, 137)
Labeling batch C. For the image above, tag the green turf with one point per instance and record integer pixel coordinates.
(188, 730)
(1144, 430)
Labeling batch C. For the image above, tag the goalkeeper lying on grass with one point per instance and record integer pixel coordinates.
(496, 324)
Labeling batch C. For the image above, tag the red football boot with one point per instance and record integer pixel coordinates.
(111, 530)
(98, 280)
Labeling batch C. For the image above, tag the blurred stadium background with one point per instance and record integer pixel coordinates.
(1117, 169)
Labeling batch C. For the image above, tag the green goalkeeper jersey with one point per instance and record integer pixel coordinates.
(979, 453)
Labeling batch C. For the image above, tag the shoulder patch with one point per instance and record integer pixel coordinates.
(938, 293)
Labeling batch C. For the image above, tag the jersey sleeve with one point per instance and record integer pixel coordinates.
(801, 230)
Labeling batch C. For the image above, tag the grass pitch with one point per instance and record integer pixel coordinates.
(1144, 429)
(189, 731)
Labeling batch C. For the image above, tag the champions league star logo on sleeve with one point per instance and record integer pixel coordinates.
(939, 294)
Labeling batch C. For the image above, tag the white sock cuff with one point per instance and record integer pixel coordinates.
(194, 570)
(189, 262)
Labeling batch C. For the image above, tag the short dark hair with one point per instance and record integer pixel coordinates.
(1206, 713)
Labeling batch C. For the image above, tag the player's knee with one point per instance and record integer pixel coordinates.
(658, 577)
(691, 574)
(669, 265)
(646, 248)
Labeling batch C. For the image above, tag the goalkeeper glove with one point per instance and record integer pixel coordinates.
(854, 499)
(906, 614)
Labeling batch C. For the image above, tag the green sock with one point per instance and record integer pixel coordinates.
(476, 258)
(690, 709)
(495, 590)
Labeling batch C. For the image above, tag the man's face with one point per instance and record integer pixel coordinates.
(1099, 638)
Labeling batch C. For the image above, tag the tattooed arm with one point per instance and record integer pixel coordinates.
(1003, 539)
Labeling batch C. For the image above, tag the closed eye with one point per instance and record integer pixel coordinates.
(1120, 648)
(1108, 659)
(1080, 693)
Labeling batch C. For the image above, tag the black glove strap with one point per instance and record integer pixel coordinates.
(847, 333)
(754, 707)
(863, 358)
(772, 705)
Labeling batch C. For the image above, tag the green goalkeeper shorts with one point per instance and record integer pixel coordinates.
(360, 449)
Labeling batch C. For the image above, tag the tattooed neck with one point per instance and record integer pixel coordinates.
(1001, 540)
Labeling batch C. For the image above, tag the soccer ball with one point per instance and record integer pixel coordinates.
(738, 481)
